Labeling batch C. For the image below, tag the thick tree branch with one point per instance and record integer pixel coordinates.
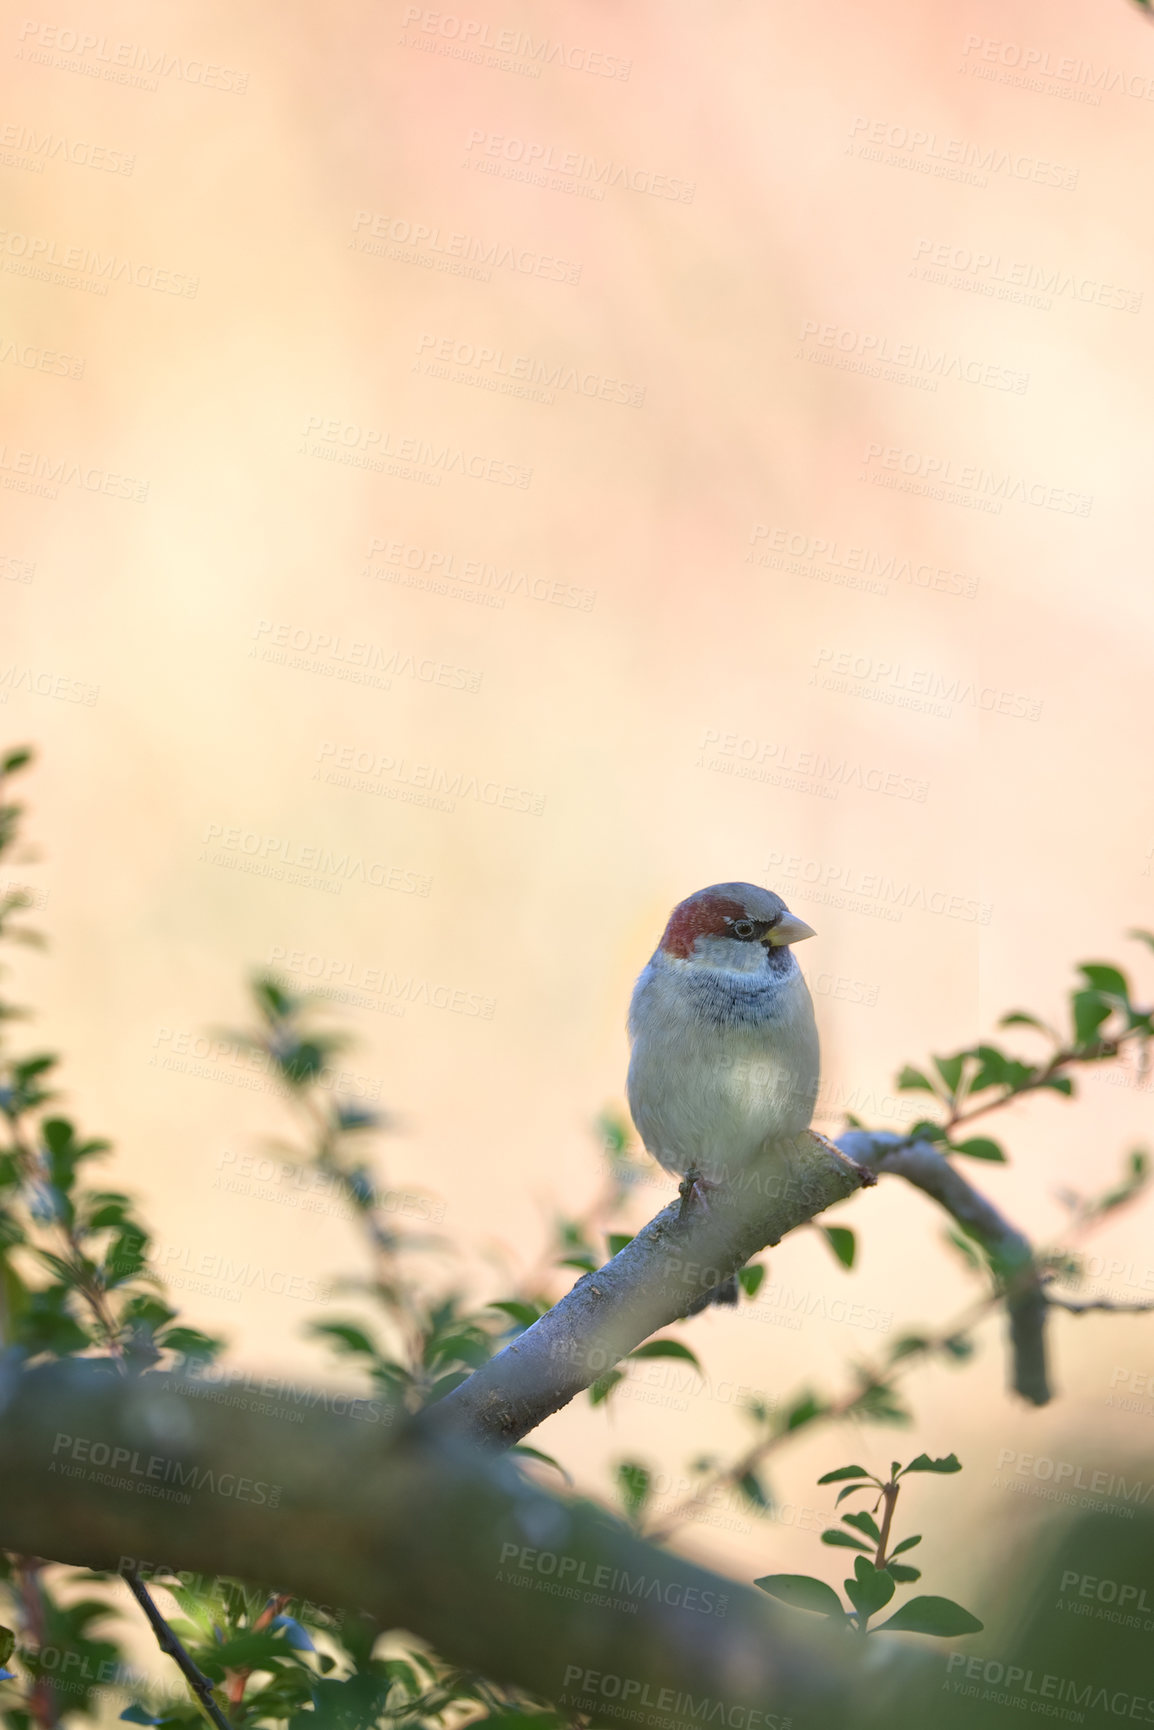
(1007, 1249)
(655, 1279)
(651, 1282)
(410, 1526)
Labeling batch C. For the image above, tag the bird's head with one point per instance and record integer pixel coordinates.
(733, 926)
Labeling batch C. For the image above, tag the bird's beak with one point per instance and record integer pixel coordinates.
(789, 929)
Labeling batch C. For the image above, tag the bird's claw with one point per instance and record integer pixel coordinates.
(692, 1189)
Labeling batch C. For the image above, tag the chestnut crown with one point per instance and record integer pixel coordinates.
(740, 912)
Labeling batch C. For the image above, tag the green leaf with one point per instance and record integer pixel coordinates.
(1090, 1011)
(803, 1412)
(601, 1389)
(66, 1271)
(898, 1571)
(852, 1490)
(634, 1482)
(950, 1069)
(251, 1649)
(842, 1540)
(803, 1592)
(522, 1313)
(842, 1242)
(753, 1490)
(125, 1257)
(991, 1070)
(906, 1544)
(7, 1644)
(1022, 1018)
(617, 1241)
(135, 1714)
(462, 1348)
(964, 1248)
(666, 1349)
(15, 759)
(907, 1346)
(1103, 977)
(870, 1589)
(864, 1522)
(912, 1079)
(587, 1263)
(980, 1147)
(879, 1402)
(445, 1385)
(844, 1472)
(750, 1278)
(529, 1453)
(109, 1210)
(931, 1616)
(614, 1132)
(352, 1703)
(923, 1463)
(346, 1338)
(189, 1342)
(1060, 1084)
(1146, 937)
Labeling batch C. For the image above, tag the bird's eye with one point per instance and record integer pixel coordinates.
(742, 928)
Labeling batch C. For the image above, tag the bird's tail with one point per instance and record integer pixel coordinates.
(725, 1293)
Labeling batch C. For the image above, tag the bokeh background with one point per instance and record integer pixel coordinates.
(471, 480)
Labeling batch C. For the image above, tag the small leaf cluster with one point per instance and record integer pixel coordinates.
(272, 1660)
(877, 1574)
(1103, 1020)
(74, 1274)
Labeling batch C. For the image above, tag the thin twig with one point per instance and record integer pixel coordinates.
(834, 1412)
(890, 1497)
(169, 1644)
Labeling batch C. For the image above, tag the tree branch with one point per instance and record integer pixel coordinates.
(422, 1533)
(172, 1648)
(651, 1282)
(1008, 1250)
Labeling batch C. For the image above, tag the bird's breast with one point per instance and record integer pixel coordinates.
(709, 1088)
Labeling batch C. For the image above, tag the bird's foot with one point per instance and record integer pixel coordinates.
(692, 1189)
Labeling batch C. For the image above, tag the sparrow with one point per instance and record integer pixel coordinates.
(725, 1056)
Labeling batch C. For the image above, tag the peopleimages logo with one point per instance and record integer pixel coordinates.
(594, 1687)
(573, 166)
(32, 254)
(44, 43)
(571, 1572)
(461, 254)
(1005, 1684)
(855, 567)
(951, 158)
(1007, 276)
(1068, 69)
(1063, 1477)
(919, 471)
(149, 1475)
(473, 34)
(841, 885)
(779, 763)
(311, 866)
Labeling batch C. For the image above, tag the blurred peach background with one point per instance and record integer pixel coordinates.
(545, 460)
